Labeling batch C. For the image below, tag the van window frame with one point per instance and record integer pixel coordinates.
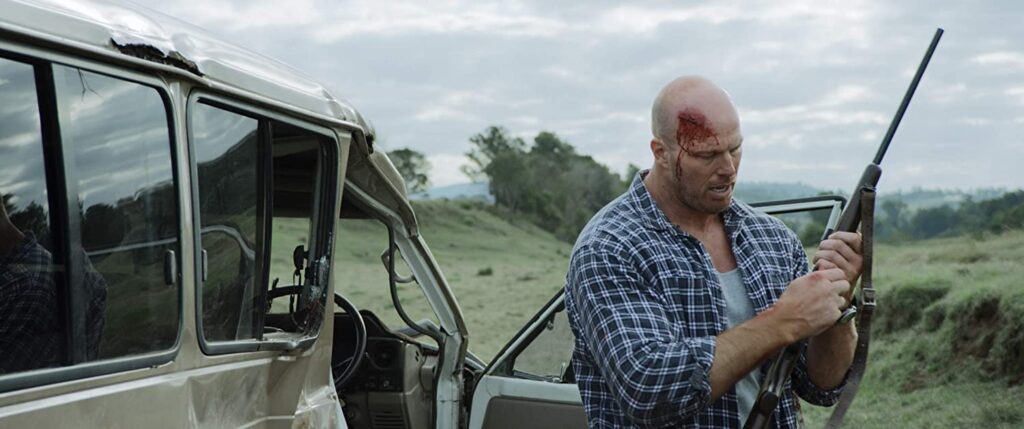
(62, 196)
(324, 201)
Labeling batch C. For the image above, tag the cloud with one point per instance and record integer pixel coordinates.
(803, 73)
(975, 122)
(436, 113)
(947, 93)
(1016, 92)
(1005, 60)
(377, 18)
(640, 20)
(846, 94)
(457, 105)
(445, 169)
(248, 15)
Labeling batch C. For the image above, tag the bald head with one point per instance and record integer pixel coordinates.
(692, 96)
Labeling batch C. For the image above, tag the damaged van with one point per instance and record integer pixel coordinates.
(172, 216)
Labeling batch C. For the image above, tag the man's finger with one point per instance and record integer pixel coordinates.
(840, 301)
(834, 258)
(852, 239)
(835, 274)
(841, 248)
(823, 264)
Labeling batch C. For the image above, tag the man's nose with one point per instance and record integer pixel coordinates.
(726, 165)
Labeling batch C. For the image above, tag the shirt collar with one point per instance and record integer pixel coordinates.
(654, 218)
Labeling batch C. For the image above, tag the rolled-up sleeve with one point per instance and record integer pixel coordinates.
(658, 378)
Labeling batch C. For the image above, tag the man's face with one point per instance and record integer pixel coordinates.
(705, 161)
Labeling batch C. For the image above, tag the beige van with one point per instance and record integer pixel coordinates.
(173, 208)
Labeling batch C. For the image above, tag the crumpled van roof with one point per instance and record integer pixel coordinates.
(119, 28)
(125, 32)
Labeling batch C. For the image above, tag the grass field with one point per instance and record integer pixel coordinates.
(948, 343)
(501, 273)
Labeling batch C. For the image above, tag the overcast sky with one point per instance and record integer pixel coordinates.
(816, 82)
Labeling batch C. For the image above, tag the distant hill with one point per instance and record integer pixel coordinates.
(752, 192)
(458, 191)
(915, 198)
(918, 198)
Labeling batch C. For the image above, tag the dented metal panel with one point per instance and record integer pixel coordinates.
(112, 26)
(255, 389)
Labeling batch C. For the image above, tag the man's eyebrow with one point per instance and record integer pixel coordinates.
(716, 151)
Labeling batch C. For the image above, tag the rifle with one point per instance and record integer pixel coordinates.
(772, 388)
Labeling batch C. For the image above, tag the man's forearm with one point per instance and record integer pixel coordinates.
(830, 354)
(740, 350)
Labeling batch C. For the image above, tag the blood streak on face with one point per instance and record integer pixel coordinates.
(694, 128)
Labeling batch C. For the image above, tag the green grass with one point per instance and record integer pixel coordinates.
(501, 273)
(948, 340)
(948, 343)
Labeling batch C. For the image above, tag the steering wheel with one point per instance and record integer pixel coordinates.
(343, 373)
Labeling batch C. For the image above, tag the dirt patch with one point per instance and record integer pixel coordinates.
(1010, 351)
(977, 328)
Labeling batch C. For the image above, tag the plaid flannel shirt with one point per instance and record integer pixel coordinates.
(30, 335)
(31, 332)
(645, 304)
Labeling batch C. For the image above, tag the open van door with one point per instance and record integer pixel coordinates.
(530, 382)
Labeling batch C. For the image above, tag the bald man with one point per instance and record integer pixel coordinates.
(678, 294)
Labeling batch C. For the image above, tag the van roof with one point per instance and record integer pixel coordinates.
(119, 29)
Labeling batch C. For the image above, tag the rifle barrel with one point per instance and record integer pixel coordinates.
(906, 97)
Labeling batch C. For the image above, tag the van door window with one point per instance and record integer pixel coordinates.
(32, 333)
(118, 137)
(548, 355)
(261, 187)
(298, 180)
(227, 157)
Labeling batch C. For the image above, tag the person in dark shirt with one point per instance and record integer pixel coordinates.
(678, 294)
(31, 335)
(32, 331)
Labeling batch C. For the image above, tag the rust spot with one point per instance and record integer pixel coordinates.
(693, 129)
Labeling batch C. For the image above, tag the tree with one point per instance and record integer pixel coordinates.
(549, 183)
(933, 221)
(413, 166)
(487, 146)
(631, 172)
(32, 218)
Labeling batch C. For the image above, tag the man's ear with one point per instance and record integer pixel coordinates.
(660, 151)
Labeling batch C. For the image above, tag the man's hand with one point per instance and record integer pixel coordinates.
(841, 250)
(811, 304)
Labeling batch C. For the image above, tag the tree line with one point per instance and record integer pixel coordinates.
(548, 183)
(897, 222)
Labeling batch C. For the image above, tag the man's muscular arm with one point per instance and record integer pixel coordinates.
(830, 354)
(809, 306)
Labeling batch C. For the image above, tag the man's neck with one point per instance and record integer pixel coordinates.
(686, 218)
